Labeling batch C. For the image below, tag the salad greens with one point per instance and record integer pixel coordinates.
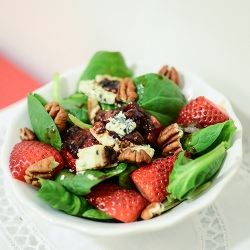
(58, 197)
(124, 177)
(81, 184)
(160, 97)
(96, 214)
(42, 123)
(55, 195)
(188, 174)
(77, 105)
(209, 137)
(106, 63)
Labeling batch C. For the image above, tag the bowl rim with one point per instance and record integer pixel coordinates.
(97, 228)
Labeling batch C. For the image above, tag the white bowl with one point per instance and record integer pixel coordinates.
(192, 86)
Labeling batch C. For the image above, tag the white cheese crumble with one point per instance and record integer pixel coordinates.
(121, 125)
(105, 139)
(92, 89)
(91, 158)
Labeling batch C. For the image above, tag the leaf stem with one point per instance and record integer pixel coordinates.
(56, 87)
(79, 123)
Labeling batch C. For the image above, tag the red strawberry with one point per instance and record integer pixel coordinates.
(122, 204)
(74, 139)
(26, 153)
(202, 110)
(152, 179)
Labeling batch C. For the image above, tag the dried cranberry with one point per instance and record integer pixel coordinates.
(75, 138)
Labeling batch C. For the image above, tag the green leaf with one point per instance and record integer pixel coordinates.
(56, 196)
(43, 125)
(96, 214)
(77, 105)
(187, 175)
(124, 178)
(106, 63)
(105, 106)
(208, 138)
(160, 97)
(81, 183)
(40, 99)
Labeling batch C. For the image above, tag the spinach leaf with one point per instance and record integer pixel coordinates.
(56, 196)
(124, 178)
(43, 125)
(187, 175)
(105, 106)
(160, 97)
(209, 137)
(106, 63)
(40, 99)
(96, 214)
(77, 105)
(81, 183)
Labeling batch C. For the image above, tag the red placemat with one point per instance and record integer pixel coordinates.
(14, 83)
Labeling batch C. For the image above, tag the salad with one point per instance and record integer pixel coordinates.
(121, 148)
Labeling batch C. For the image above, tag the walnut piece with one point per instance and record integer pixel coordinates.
(169, 140)
(93, 108)
(170, 72)
(41, 169)
(126, 91)
(134, 156)
(152, 210)
(58, 114)
(27, 135)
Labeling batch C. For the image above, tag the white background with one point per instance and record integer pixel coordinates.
(208, 37)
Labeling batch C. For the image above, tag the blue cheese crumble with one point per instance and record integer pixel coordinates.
(120, 125)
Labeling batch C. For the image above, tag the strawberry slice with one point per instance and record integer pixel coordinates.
(152, 179)
(122, 204)
(26, 153)
(202, 110)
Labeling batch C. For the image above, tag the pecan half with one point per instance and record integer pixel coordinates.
(170, 72)
(134, 156)
(169, 140)
(152, 210)
(27, 135)
(41, 169)
(58, 114)
(126, 91)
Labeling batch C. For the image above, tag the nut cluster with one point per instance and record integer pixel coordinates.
(27, 135)
(58, 114)
(170, 72)
(169, 139)
(134, 156)
(41, 169)
(152, 210)
(126, 91)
